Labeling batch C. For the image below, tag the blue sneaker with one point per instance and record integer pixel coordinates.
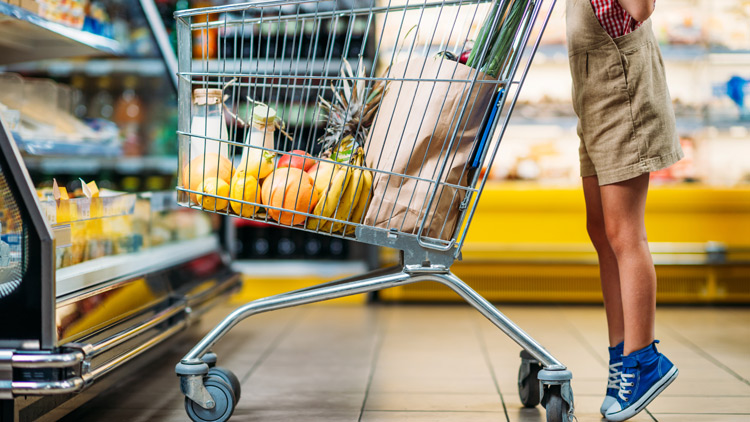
(613, 384)
(645, 374)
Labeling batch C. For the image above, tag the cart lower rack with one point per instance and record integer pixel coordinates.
(372, 122)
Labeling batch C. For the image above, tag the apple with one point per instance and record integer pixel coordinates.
(303, 164)
(464, 57)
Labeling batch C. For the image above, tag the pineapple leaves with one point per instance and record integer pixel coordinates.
(350, 112)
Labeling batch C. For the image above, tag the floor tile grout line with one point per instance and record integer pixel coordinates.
(434, 411)
(648, 412)
(705, 354)
(589, 347)
(379, 339)
(288, 328)
(485, 352)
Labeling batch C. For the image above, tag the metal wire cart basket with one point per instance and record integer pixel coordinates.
(408, 100)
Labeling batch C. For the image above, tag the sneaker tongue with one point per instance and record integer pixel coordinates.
(615, 353)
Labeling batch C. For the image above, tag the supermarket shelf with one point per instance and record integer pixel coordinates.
(91, 273)
(64, 212)
(684, 124)
(558, 54)
(122, 165)
(663, 253)
(94, 68)
(734, 58)
(61, 147)
(25, 36)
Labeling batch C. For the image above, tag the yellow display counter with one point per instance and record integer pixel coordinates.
(528, 243)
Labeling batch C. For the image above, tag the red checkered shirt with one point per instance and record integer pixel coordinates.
(613, 18)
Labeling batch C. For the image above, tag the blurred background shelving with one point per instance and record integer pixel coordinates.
(87, 132)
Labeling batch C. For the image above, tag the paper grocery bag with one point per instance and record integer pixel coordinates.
(411, 136)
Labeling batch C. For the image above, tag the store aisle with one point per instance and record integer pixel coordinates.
(439, 363)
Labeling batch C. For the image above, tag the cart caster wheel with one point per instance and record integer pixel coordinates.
(210, 359)
(557, 408)
(223, 397)
(528, 384)
(228, 377)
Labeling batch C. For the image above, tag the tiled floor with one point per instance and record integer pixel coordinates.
(439, 363)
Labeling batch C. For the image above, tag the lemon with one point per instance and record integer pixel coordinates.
(244, 189)
(213, 186)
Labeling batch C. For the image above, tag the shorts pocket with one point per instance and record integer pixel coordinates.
(638, 69)
(599, 89)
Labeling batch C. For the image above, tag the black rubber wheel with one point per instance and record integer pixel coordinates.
(556, 407)
(229, 377)
(224, 398)
(528, 384)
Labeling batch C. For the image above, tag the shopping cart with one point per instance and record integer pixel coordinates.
(355, 119)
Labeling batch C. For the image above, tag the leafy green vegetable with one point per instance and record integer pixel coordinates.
(498, 44)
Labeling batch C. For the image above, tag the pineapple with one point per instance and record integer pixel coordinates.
(350, 113)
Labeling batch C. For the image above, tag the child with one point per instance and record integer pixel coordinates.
(627, 129)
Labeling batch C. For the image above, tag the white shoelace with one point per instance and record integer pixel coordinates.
(614, 376)
(623, 386)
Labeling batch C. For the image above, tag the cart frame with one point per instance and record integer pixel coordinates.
(211, 393)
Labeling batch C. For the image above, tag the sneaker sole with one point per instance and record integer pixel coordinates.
(646, 399)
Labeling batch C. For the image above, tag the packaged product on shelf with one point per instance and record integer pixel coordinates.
(32, 6)
(71, 13)
(9, 117)
(128, 114)
(683, 170)
(727, 25)
(97, 20)
(205, 40)
(124, 223)
(11, 99)
(102, 104)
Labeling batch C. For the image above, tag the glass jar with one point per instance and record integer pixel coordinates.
(262, 129)
(208, 123)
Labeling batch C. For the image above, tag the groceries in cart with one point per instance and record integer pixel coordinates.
(400, 144)
(294, 188)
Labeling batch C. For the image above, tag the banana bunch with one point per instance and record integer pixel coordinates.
(346, 198)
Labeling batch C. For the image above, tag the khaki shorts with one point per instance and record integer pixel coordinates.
(626, 121)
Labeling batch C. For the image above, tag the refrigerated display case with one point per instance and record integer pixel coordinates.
(100, 279)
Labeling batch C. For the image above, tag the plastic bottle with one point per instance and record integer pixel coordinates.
(128, 114)
(102, 103)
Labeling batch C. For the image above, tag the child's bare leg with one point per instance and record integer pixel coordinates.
(624, 206)
(608, 271)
